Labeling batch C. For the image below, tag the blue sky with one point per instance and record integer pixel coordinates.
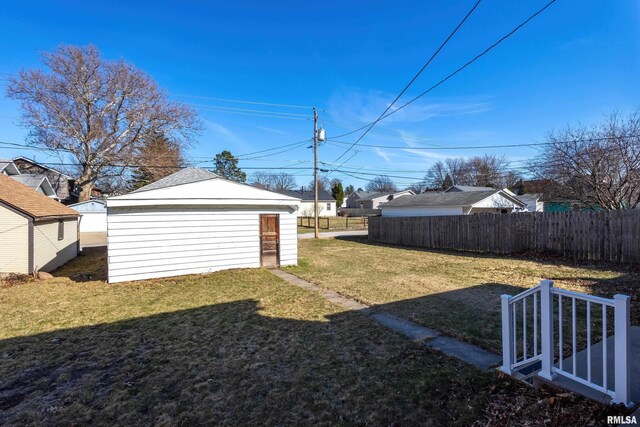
(575, 63)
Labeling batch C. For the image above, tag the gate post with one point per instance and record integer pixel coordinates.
(546, 329)
(508, 358)
(622, 322)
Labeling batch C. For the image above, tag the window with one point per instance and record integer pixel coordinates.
(328, 206)
(60, 230)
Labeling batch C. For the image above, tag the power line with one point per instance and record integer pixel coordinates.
(474, 59)
(443, 148)
(206, 106)
(239, 101)
(455, 30)
(272, 116)
(471, 147)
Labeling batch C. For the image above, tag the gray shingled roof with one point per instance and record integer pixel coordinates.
(308, 195)
(466, 188)
(462, 198)
(183, 176)
(30, 180)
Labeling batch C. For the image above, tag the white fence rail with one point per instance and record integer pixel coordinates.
(529, 322)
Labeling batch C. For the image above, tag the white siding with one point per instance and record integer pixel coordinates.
(14, 250)
(307, 209)
(425, 211)
(151, 242)
(49, 252)
(93, 222)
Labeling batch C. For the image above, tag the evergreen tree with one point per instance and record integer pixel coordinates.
(226, 165)
(338, 193)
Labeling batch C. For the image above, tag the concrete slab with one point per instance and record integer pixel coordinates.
(92, 240)
(406, 328)
(597, 371)
(469, 353)
(476, 356)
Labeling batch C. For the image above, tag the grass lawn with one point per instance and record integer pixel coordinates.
(237, 347)
(456, 293)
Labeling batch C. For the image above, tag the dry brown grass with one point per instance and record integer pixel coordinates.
(456, 293)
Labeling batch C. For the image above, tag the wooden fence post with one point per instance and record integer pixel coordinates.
(546, 329)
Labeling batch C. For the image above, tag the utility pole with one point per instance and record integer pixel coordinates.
(315, 173)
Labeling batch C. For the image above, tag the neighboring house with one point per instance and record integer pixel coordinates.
(533, 201)
(465, 188)
(38, 182)
(62, 184)
(194, 221)
(7, 167)
(38, 233)
(372, 200)
(326, 202)
(453, 203)
(93, 216)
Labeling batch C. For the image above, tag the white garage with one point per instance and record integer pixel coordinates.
(94, 216)
(195, 222)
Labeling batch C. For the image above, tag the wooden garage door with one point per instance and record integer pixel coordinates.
(269, 240)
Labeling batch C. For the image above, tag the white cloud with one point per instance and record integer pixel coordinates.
(386, 156)
(352, 107)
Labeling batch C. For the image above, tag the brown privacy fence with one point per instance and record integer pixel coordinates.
(588, 235)
(332, 222)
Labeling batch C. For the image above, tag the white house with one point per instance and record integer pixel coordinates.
(453, 203)
(372, 200)
(38, 233)
(94, 216)
(326, 202)
(533, 201)
(194, 221)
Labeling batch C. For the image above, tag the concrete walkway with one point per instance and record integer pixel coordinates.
(330, 234)
(469, 353)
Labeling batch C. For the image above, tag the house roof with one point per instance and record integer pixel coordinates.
(33, 162)
(183, 176)
(94, 205)
(36, 181)
(308, 195)
(6, 164)
(460, 198)
(364, 195)
(454, 188)
(530, 197)
(30, 202)
(198, 187)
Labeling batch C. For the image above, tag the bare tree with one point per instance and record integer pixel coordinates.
(323, 184)
(273, 181)
(96, 111)
(382, 184)
(261, 180)
(157, 158)
(598, 166)
(482, 171)
(487, 171)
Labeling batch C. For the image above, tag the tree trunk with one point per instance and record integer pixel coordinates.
(86, 184)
